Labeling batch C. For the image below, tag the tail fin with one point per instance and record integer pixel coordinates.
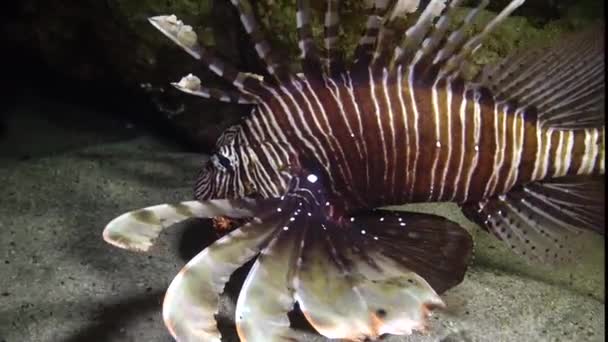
(564, 84)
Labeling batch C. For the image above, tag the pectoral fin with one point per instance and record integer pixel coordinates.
(378, 273)
(138, 229)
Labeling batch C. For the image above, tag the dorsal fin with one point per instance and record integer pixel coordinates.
(414, 35)
(456, 61)
(425, 42)
(333, 62)
(367, 42)
(564, 83)
(311, 64)
(262, 47)
(186, 38)
(391, 31)
(191, 84)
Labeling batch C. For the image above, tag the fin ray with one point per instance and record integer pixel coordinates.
(564, 83)
(186, 38)
(262, 47)
(138, 230)
(311, 63)
(382, 280)
(192, 298)
(267, 294)
(191, 84)
(537, 219)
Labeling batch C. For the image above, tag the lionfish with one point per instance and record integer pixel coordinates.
(519, 146)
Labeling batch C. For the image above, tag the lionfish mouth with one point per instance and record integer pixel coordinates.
(357, 279)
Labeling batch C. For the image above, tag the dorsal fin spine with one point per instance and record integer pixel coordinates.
(373, 25)
(311, 64)
(415, 34)
(456, 62)
(457, 38)
(262, 47)
(333, 63)
(186, 38)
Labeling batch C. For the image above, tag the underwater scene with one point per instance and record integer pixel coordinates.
(302, 170)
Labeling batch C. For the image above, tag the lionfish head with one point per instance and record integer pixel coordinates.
(219, 177)
(238, 170)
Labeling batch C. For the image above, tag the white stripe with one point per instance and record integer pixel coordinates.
(263, 173)
(347, 176)
(410, 83)
(437, 147)
(251, 158)
(512, 164)
(539, 147)
(603, 147)
(335, 93)
(449, 143)
(547, 154)
(351, 93)
(246, 160)
(493, 176)
(518, 146)
(594, 150)
(569, 147)
(476, 132)
(462, 117)
(585, 158)
(559, 155)
(372, 90)
(391, 122)
(274, 162)
(323, 159)
(405, 123)
(503, 147)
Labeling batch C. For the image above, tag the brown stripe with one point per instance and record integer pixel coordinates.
(578, 151)
(456, 146)
(426, 132)
(528, 159)
(487, 148)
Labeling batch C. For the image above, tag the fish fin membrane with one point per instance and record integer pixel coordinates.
(563, 83)
(138, 230)
(185, 37)
(434, 247)
(538, 219)
(378, 273)
(192, 299)
(267, 295)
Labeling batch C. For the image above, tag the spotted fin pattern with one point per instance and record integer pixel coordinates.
(537, 220)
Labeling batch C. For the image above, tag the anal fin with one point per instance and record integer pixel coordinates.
(537, 220)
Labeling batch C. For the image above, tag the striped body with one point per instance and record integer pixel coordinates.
(397, 124)
(384, 139)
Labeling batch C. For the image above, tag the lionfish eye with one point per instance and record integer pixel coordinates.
(221, 162)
